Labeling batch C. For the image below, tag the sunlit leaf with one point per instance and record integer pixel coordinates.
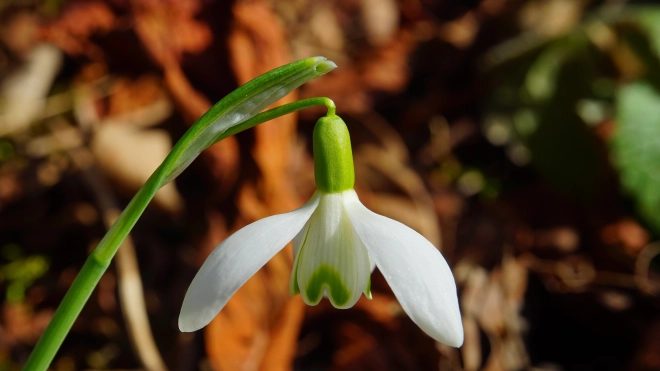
(649, 19)
(562, 148)
(636, 147)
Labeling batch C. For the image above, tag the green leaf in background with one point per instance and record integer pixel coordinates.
(563, 149)
(649, 19)
(636, 147)
(20, 272)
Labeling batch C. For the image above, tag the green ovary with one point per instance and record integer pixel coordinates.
(333, 159)
(327, 278)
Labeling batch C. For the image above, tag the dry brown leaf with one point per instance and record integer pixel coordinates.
(551, 18)
(474, 280)
(274, 139)
(491, 314)
(491, 301)
(562, 239)
(258, 328)
(461, 32)
(77, 23)
(421, 215)
(23, 93)
(383, 68)
(404, 211)
(381, 308)
(380, 19)
(168, 28)
(324, 25)
(11, 187)
(356, 344)
(217, 231)
(387, 69)
(21, 324)
(628, 233)
(128, 95)
(20, 33)
(647, 356)
(514, 280)
(129, 156)
(471, 349)
(223, 158)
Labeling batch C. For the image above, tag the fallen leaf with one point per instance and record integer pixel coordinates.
(129, 156)
(23, 93)
(258, 328)
(380, 19)
(168, 29)
(72, 29)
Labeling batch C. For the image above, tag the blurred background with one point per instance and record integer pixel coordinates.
(521, 137)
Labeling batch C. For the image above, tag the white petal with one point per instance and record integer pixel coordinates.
(235, 260)
(416, 271)
(332, 262)
(299, 239)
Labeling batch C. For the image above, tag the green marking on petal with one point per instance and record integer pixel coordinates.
(367, 290)
(293, 287)
(327, 278)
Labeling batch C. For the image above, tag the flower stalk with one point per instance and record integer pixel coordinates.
(238, 111)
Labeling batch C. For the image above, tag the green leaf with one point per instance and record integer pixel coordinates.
(649, 20)
(636, 147)
(562, 147)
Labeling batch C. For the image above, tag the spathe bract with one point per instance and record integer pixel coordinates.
(244, 103)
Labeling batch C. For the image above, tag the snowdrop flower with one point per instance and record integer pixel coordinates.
(337, 242)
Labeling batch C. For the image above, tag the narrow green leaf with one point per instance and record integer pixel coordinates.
(636, 147)
(649, 19)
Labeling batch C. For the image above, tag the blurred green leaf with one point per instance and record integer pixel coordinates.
(6, 150)
(541, 79)
(562, 147)
(21, 272)
(649, 19)
(11, 252)
(636, 147)
(546, 113)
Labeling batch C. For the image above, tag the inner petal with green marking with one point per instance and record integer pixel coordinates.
(326, 278)
(331, 260)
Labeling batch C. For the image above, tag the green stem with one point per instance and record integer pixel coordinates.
(281, 111)
(100, 258)
(87, 279)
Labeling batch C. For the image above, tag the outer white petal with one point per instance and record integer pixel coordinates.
(235, 260)
(299, 239)
(416, 271)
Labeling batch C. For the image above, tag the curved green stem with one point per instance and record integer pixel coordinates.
(100, 258)
(280, 111)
